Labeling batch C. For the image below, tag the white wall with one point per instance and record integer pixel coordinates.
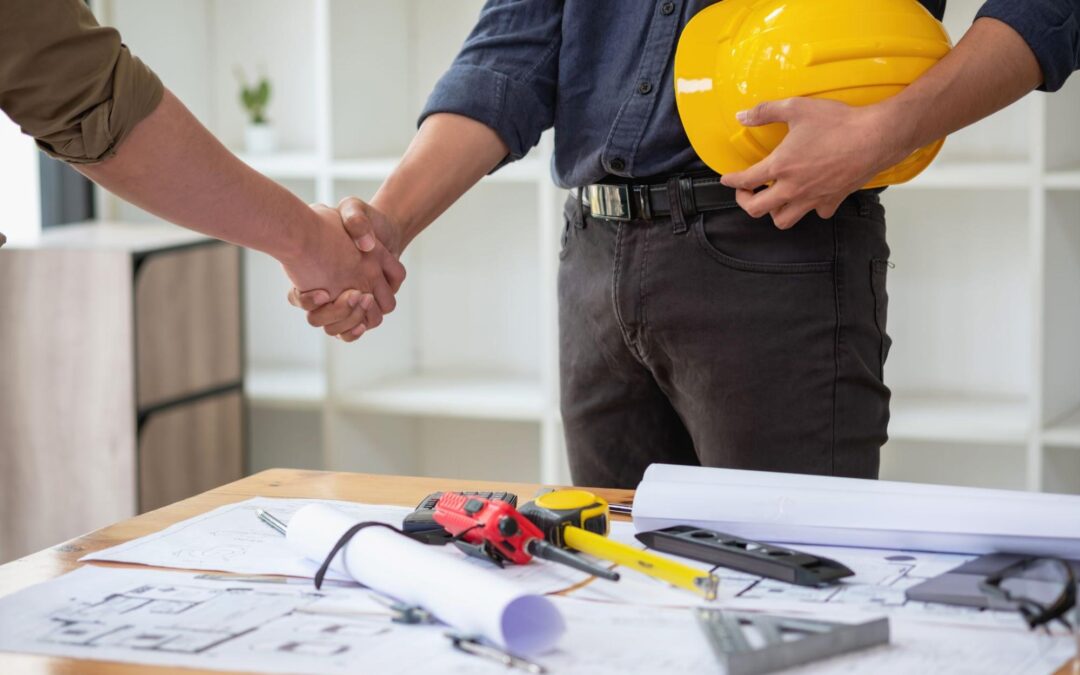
(20, 195)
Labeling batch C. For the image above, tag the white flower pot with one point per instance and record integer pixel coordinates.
(260, 139)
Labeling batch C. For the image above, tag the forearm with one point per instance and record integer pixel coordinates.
(990, 68)
(173, 167)
(449, 154)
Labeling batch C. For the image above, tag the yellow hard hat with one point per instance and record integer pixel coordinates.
(738, 53)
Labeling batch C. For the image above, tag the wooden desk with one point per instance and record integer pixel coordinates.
(368, 488)
(374, 489)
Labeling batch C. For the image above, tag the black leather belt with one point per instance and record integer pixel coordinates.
(615, 201)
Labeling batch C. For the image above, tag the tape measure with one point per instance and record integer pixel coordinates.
(578, 520)
(555, 511)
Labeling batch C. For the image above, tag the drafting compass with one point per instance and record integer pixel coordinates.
(748, 643)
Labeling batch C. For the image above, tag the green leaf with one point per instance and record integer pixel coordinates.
(255, 99)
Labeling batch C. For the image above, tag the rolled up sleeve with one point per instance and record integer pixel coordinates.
(68, 82)
(1051, 29)
(506, 74)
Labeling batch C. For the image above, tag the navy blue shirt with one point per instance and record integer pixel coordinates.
(599, 72)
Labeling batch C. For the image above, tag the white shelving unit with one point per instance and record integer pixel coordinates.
(462, 379)
(985, 301)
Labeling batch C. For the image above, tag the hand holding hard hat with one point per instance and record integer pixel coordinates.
(800, 62)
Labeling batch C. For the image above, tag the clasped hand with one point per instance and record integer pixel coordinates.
(352, 260)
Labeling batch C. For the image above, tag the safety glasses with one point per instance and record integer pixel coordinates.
(1043, 590)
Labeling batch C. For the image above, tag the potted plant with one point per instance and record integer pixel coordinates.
(259, 135)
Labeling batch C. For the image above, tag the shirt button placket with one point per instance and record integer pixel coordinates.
(644, 88)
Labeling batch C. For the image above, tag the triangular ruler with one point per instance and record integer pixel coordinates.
(748, 643)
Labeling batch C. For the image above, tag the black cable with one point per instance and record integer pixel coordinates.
(345, 538)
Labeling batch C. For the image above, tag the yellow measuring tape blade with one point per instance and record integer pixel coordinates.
(699, 581)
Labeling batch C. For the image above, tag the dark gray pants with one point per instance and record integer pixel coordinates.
(722, 341)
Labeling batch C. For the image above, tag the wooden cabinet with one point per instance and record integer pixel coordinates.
(187, 322)
(121, 377)
(188, 449)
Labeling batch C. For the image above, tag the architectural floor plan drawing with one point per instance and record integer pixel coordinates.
(208, 621)
(232, 539)
(181, 619)
(173, 618)
(881, 577)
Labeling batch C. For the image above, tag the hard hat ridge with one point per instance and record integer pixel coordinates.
(736, 54)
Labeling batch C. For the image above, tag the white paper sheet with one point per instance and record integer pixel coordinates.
(825, 510)
(666, 640)
(470, 599)
(169, 618)
(927, 649)
(232, 539)
(881, 577)
(177, 619)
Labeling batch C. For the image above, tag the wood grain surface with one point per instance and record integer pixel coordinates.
(67, 410)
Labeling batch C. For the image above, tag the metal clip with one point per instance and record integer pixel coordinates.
(474, 646)
(401, 612)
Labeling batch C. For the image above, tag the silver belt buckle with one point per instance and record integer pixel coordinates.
(611, 202)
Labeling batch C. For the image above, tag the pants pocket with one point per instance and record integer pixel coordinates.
(739, 242)
(879, 270)
(564, 240)
(572, 219)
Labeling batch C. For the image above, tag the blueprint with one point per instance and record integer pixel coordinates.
(183, 619)
(881, 577)
(232, 539)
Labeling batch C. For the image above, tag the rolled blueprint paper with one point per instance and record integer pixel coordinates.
(825, 510)
(462, 595)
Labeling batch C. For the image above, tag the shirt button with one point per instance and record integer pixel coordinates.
(644, 87)
(667, 8)
(618, 164)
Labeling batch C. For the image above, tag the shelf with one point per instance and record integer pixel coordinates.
(491, 398)
(296, 388)
(1064, 180)
(528, 170)
(375, 169)
(975, 174)
(283, 164)
(959, 419)
(1065, 432)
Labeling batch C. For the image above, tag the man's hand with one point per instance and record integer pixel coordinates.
(831, 150)
(354, 268)
(374, 235)
(448, 155)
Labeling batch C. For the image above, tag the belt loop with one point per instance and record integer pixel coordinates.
(579, 220)
(675, 204)
(686, 197)
(864, 203)
(641, 193)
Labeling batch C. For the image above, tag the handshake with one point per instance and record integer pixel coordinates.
(346, 272)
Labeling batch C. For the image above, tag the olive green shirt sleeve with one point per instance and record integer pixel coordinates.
(69, 82)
